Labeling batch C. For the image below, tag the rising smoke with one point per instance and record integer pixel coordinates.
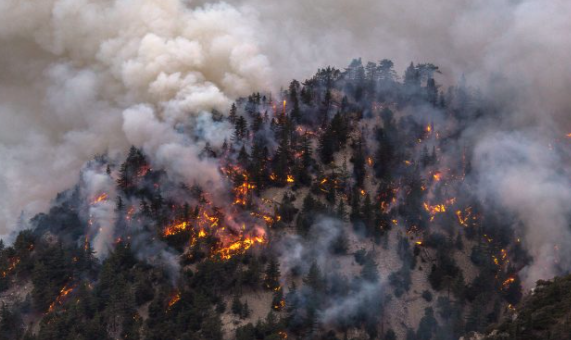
(79, 78)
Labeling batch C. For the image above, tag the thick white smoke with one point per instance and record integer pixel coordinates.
(524, 176)
(98, 191)
(78, 78)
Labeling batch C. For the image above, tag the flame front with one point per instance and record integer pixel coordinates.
(100, 198)
(59, 300)
(238, 247)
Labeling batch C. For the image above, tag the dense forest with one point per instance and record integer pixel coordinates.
(347, 211)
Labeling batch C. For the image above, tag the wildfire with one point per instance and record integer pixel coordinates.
(174, 299)
(363, 192)
(130, 213)
(211, 221)
(243, 193)
(143, 171)
(568, 135)
(279, 306)
(59, 300)
(100, 198)
(429, 128)
(176, 228)
(463, 220)
(270, 220)
(437, 176)
(290, 179)
(384, 206)
(418, 243)
(239, 247)
(434, 209)
(508, 282)
(370, 161)
(12, 263)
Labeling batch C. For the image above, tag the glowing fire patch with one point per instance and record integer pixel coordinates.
(507, 283)
(238, 247)
(100, 198)
(59, 300)
(12, 263)
(175, 229)
(173, 301)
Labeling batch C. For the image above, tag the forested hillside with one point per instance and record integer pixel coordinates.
(344, 207)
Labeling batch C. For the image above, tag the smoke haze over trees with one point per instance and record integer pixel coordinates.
(160, 155)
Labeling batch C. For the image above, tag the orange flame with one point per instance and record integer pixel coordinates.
(59, 300)
(175, 229)
(12, 263)
(434, 209)
(290, 179)
(370, 161)
(508, 282)
(239, 247)
(100, 198)
(174, 299)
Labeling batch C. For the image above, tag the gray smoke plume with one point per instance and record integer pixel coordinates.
(524, 176)
(504, 43)
(78, 78)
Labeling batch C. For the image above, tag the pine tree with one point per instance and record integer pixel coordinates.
(359, 161)
(314, 279)
(246, 310)
(294, 87)
(236, 305)
(427, 326)
(10, 324)
(282, 160)
(278, 302)
(368, 215)
(327, 146)
(355, 215)
(240, 129)
(431, 92)
(272, 274)
(385, 155)
(243, 157)
(212, 327)
(233, 114)
(369, 271)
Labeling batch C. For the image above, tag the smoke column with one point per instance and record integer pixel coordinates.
(83, 77)
(79, 78)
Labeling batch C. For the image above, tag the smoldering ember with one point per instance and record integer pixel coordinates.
(248, 169)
